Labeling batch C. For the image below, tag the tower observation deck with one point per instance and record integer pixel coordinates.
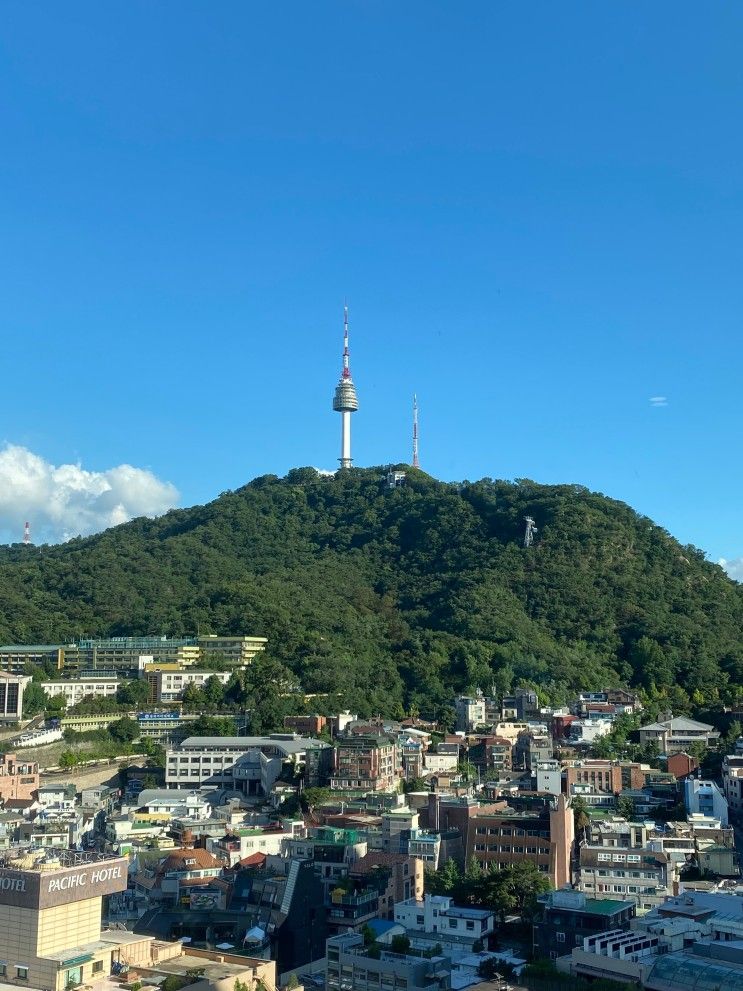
(345, 400)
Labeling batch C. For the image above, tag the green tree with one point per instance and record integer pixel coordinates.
(34, 699)
(124, 730)
(133, 693)
(625, 807)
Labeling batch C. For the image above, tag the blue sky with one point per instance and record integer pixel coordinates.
(534, 213)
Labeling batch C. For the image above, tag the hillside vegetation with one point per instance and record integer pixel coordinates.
(395, 598)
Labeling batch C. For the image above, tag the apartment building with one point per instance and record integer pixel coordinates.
(76, 689)
(638, 875)
(537, 829)
(732, 782)
(703, 797)
(470, 710)
(19, 778)
(436, 919)
(364, 763)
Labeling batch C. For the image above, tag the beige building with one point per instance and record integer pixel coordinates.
(43, 943)
(11, 696)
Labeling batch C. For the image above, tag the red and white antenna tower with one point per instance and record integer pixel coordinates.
(26, 532)
(416, 462)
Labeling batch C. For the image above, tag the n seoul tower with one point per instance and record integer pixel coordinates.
(345, 400)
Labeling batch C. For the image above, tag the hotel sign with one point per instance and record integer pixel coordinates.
(47, 889)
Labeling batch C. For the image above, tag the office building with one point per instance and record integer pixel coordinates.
(11, 696)
(246, 763)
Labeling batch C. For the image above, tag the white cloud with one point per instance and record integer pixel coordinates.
(66, 501)
(325, 472)
(734, 567)
(658, 401)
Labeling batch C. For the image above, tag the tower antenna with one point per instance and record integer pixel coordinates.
(416, 462)
(26, 532)
(531, 529)
(345, 400)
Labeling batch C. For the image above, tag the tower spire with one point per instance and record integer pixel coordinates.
(345, 400)
(416, 462)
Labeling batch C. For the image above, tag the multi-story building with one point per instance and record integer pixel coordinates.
(436, 919)
(351, 964)
(11, 696)
(567, 918)
(705, 798)
(732, 782)
(603, 776)
(678, 734)
(629, 861)
(548, 775)
(170, 685)
(523, 704)
(246, 763)
(404, 877)
(76, 689)
(19, 779)
(539, 829)
(15, 657)
(50, 918)
(364, 763)
(238, 652)
(166, 727)
(470, 711)
(305, 725)
(131, 655)
(491, 755)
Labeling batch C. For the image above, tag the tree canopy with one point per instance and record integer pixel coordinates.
(388, 600)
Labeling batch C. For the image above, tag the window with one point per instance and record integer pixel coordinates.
(3, 969)
(21, 973)
(560, 937)
(452, 923)
(470, 925)
(97, 966)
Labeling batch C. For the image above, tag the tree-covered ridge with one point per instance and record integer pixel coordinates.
(397, 596)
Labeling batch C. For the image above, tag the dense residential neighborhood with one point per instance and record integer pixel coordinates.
(345, 852)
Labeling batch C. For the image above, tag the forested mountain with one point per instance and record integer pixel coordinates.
(395, 597)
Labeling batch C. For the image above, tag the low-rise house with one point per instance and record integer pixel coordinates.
(678, 734)
(168, 879)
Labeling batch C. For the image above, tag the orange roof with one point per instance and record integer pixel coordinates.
(254, 860)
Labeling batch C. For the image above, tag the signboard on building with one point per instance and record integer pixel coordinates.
(47, 889)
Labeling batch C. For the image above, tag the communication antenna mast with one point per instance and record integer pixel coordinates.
(531, 529)
(416, 462)
(26, 532)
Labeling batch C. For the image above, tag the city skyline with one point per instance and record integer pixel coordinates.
(539, 239)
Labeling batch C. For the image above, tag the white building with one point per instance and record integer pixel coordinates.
(705, 798)
(583, 732)
(470, 712)
(549, 776)
(170, 685)
(75, 690)
(438, 920)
